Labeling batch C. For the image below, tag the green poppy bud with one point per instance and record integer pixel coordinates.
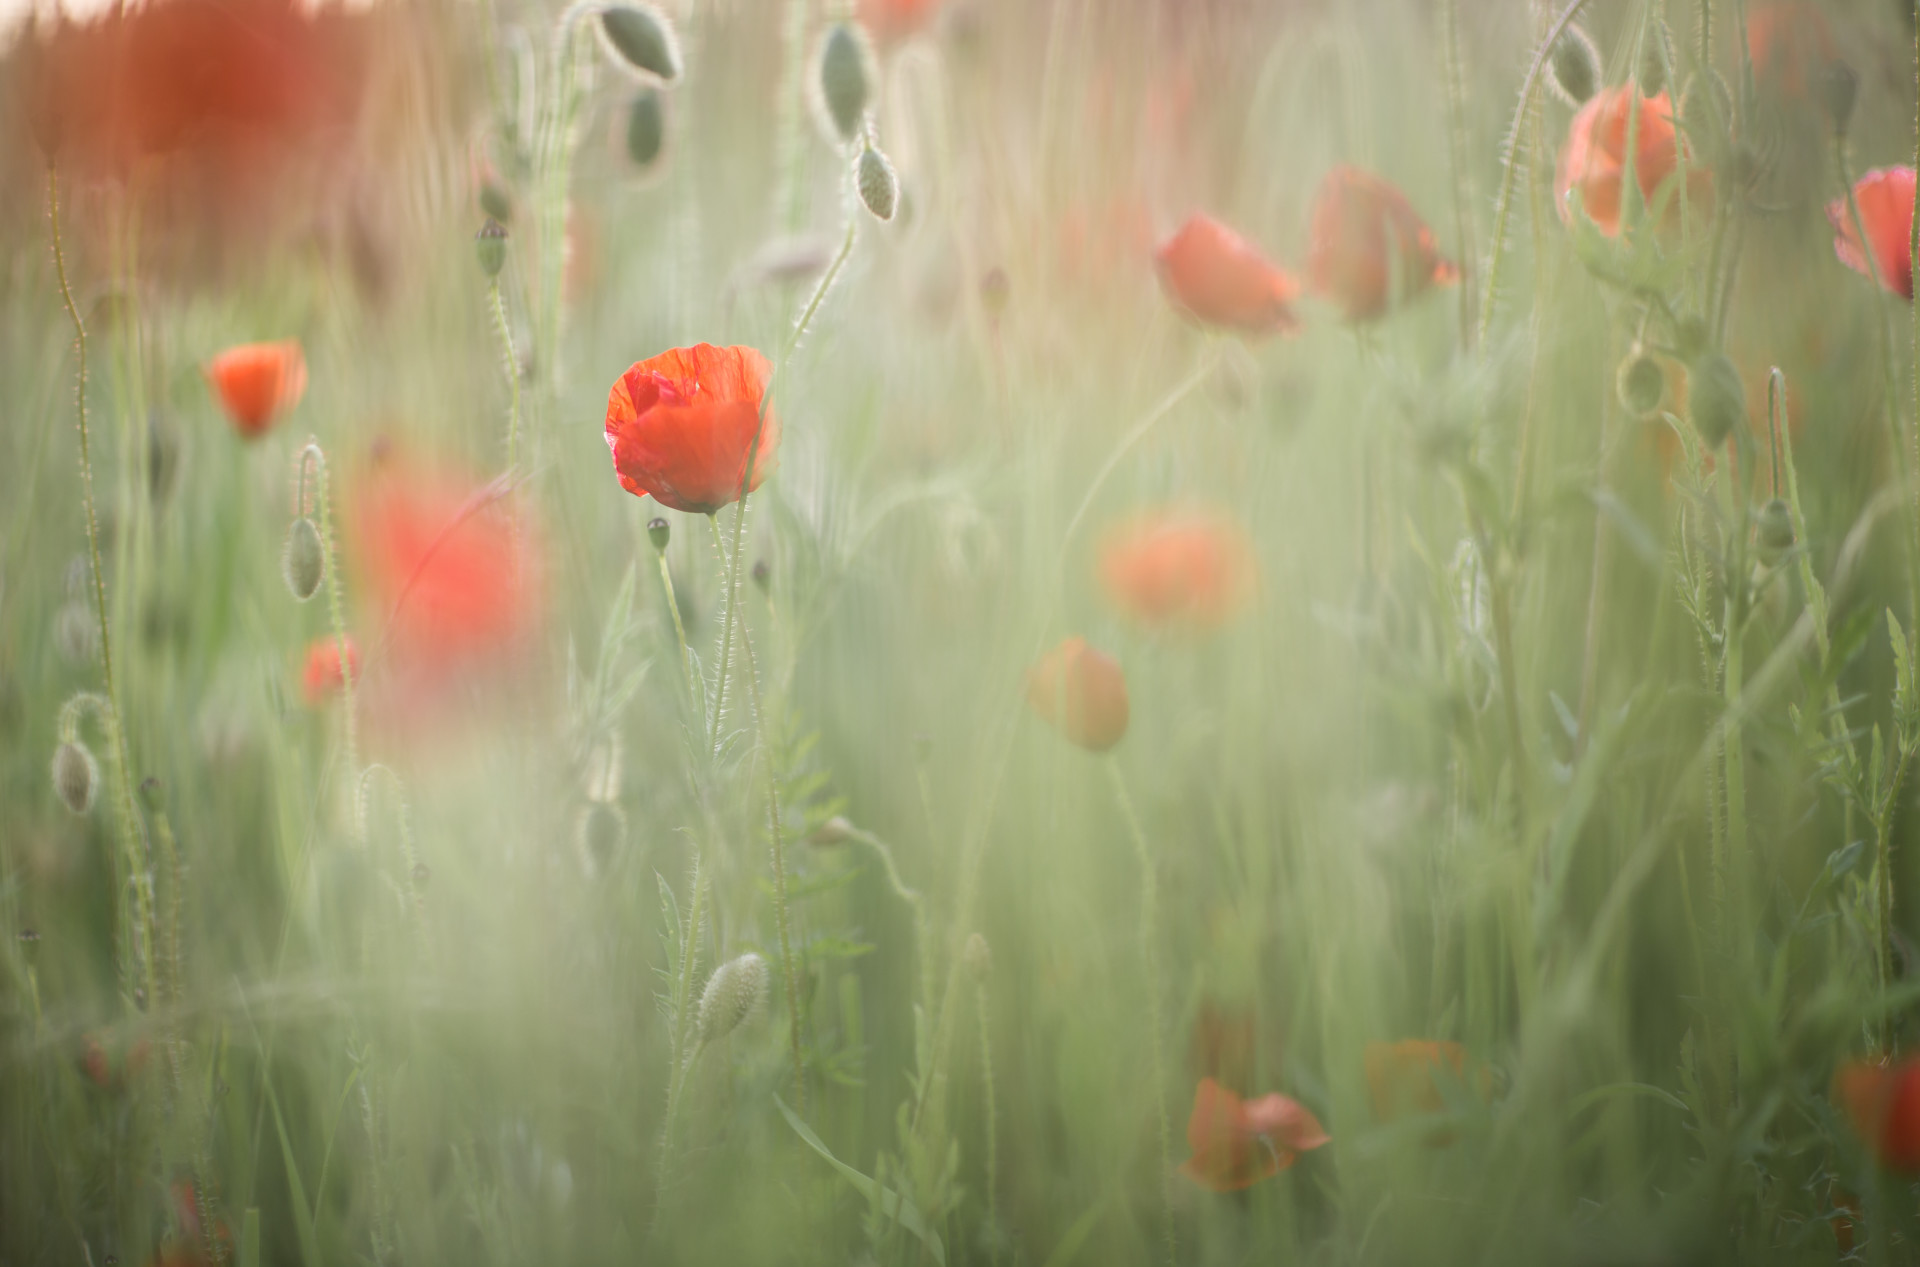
(646, 126)
(490, 247)
(1573, 68)
(879, 187)
(639, 37)
(844, 79)
(75, 776)
(734, 992)
(1641, 384)
(659, 531)
(304, 560)
(1716, 399)
(1773, 531)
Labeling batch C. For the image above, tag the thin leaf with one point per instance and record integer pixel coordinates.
(891, 1203)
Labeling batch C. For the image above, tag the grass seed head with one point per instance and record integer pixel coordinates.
(76, 775)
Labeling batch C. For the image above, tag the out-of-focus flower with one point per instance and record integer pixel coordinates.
(1369, 249)
(1883, 1103)
(1885, 199)
(258, 382)
(1178, 568)
(1081, 693)
(680, 424)
(890, 21)
(322, 676)
(1594, 158)
(1212, 273)
(1792, 47)
(1236, 1143)
(1223, 1042)
(1404, 1079)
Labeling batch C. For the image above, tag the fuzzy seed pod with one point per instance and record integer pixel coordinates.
(844, 80)
(304, 560)
(75, 775)
(1839, 87)
(1574, 67)
(490, 247)
(1640, 384)
(1773, 531)
(659, 531)
(646, 127)
(1716, 399)
(639, 37)
(879, 187)
(734, 992)
(978, 957)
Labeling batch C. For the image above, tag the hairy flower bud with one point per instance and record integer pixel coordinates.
(1773, 531)
(844, 80)
(646, 126)
(639, 37)
(1653, 67)
(835, 831)
(304, 561)
(879, 187)
(490, 247)
(1716, 399)
(1640, 383)
(1839, 87)
(75, 775)
(734, 992)
(1574, 66)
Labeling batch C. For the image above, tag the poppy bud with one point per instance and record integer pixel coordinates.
(153, 794)
(1839, 86)
(879, 187)
(1640, 384)
(659, 531)
(1690, 336)
(490, 246)
(844, 79)
(1716, 399)
(75, 775)
(603, 829)
(1574, 67)
(495, 203)
(835, 831)
(646, 127)
(304, 561)
(978, 957)
(1653, 68)
(762, 575)
(733, 993)
(1082, 693)
(639, 37)
(1773, 531)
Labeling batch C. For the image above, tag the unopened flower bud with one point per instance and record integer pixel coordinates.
(153, 794)
(1773, 531)
(844, 79)
(835, 831)
(603, 829)
(646, 126)
(1574, 67)
(1716, 399)
(75, 775)
(1640, 384)
(639, 37)
(659, 531)
(879, 187)
(304, 561)
(490, 247)
(1839, 87)
(495, 202)
(734, 992)
(977, 957)
(1653, 67)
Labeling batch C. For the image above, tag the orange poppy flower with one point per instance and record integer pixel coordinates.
(1081, 693)
(1791, 46)
(1217, 277)
(322, 676)
(1885, 199)
(1403, 1079)
(1594, 157)
(680, 424)
(1369, 248)
(890, 21)
(1883, 1102)
(1173, 568)
(257, 382)
(1236, 1143)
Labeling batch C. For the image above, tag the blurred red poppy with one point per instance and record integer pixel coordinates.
(1885, 199)
(1883, 1103)
(1236, 1143)
(258, 382)
(1081, 693)
(1369, 249)
(680, 424)
(322, 676)
(890, 21)
(1595, 157)
(1214, 275)
(1174, 568)
(1404, 1079)
(1791, 47)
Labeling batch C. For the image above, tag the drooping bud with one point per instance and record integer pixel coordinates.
(734, 992)
(1574, 66)
(978, 957)
(490, 247)
(646, 126)
(1640, 384)
(844, 80)
(1716, 399)
(1653, 67)
(1773, 531)
(304, 560)
(1839, 87)
(879, 187)
(659, 531)
(639, 37)
(835, 831)
(75, 775)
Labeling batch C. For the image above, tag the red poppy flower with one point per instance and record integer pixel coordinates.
(257, 382)
(1883, 1102)
(1178, 568)
(1595, 157)
(890, 21)
(1791, 46)
(1236, 1143)
(1081, 693)
(679, 425)
(1212, 273)
(322, 676)
(1404, 1079)
(1369, 248)
(1885, 199)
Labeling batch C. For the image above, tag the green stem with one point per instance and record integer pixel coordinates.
(1149, 949)
(683, 1014)
(993, 1151)
(696, 689)
(336, 614)
(510, 365)
(922, 931)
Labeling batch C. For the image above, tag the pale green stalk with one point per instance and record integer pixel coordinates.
(510, 366)
(1150, 954)
(336, 611)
